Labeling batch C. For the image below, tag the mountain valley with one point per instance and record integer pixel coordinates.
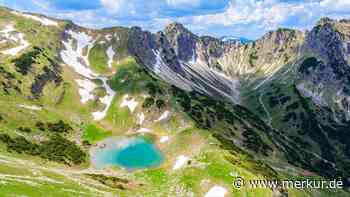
(276, 108)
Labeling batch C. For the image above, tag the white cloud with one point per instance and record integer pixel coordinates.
(335, 5)
(249, 17)
(183, 3)
(43, 4)
(132, 9)
(265, 15)
(239, 17)
(111, 4)
(114, 6)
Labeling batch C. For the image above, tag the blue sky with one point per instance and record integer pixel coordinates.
(243, 18)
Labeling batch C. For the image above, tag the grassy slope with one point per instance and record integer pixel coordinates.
(45, 37)
(53, 109)
(304, 126)
(98, 58)
(30, 176)
(199, 146)
(93, 133)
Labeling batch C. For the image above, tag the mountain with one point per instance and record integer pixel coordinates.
(276, 108)
(275, 77)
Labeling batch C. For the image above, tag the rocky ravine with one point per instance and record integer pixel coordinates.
(211, 66)
(226, 69)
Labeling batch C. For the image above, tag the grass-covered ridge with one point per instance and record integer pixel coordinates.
(98, 58)
(301, 124)
(132, 82)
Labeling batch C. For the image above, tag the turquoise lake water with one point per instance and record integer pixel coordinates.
(131, 153)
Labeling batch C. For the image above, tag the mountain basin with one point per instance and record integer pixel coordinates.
(127, 152)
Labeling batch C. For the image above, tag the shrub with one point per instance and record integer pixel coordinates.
(25, 129)
(160, 104)
(149, 102)
(153, 89)
(24, 62)
(56, 149)
(40, 126)
(59, 127)
(60, 149)
(113, 182)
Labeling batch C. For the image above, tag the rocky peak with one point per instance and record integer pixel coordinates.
(141, 44)
(176, 27)
(282, 35)
(324, 20)
(341, 27)
(329, 43)
(208, 39)
(328, 39)
(182, 40)
(211, 48)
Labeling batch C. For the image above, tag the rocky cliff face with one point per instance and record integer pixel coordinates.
(236, 66)
(181, 40)
(179, 57)
(326, 63)
(227, 66)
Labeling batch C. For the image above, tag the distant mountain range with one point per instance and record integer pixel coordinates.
(234, 39)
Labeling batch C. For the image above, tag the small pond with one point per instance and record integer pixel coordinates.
(130, 153)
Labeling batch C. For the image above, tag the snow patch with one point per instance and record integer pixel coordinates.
(216, 191)
(180, 161)
(10, 33)
(110, 53)
(40, 19)
(130, 103)
(80, 63)
(106, 100)
(109, 37)
(8, 29)
(140, 118)
(194, 58)
(86, 87)
(229, 38)
(31, 107)
(164, 139)
(75, 58)
(143, 130)
(164, 116)
(117, 36)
